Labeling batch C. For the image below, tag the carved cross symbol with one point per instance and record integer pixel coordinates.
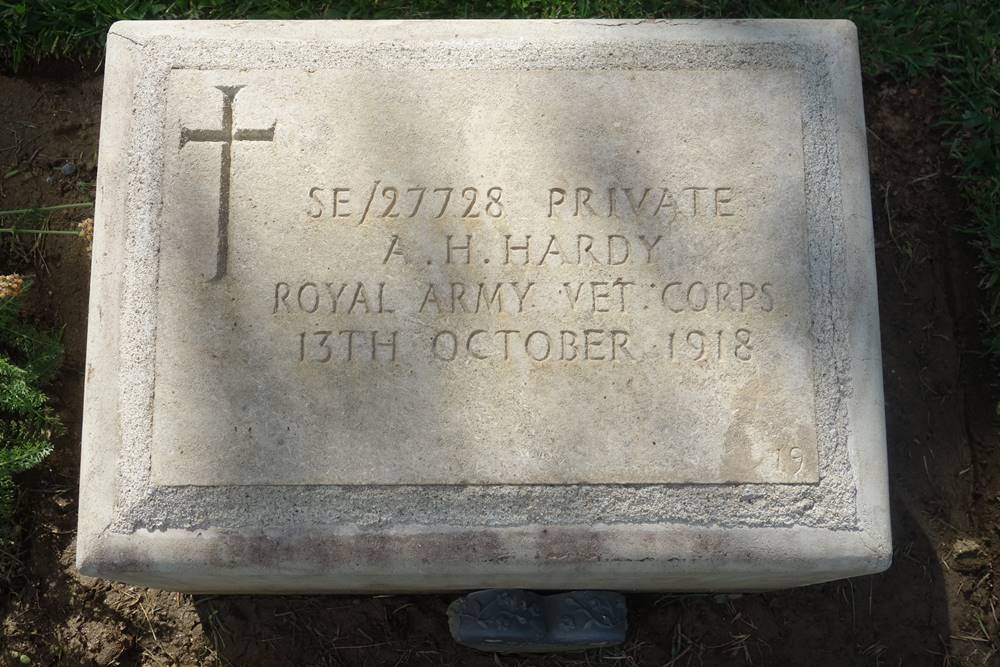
(226, 136)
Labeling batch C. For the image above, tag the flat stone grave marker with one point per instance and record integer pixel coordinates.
(463, 304)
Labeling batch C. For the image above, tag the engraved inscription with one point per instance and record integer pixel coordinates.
(424, 288)
(391, 201)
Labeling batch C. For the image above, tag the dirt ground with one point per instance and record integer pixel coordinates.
(935, 606)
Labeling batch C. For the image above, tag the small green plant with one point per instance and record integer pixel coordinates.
(30, 215)
(29, 358)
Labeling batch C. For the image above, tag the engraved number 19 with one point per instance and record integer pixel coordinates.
(789, 457)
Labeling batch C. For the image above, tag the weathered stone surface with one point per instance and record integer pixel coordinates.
(477, 304)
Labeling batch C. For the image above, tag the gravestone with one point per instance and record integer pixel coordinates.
(466, 304)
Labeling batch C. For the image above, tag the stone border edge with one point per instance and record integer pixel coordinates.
(102, 551)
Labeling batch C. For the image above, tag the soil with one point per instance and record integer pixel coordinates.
(935, 606)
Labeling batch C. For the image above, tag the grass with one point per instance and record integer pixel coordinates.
(954, 43)
(29, 358)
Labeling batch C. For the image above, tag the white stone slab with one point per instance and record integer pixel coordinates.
(462, 304)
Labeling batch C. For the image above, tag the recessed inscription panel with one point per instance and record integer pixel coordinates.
(469, 277)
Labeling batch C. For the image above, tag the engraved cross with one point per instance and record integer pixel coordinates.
(226, 136)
